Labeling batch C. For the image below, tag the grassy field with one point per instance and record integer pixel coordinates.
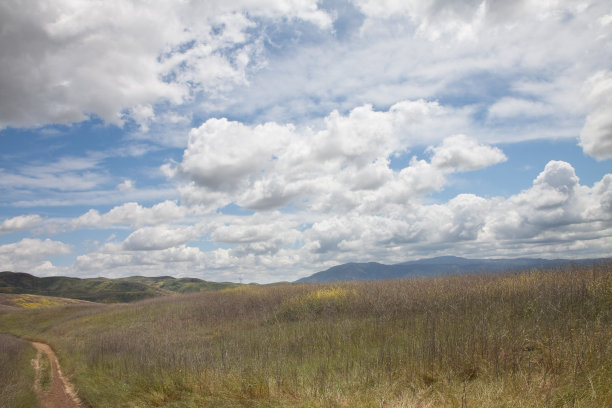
(16, 373)
(535, 339)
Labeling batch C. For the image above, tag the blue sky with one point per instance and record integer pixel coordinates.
(267, 140)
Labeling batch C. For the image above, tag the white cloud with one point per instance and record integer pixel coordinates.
(29, 254)
(259, 235)
(21, 222)
(63, 60)
(461, 153)
(463, 20)
(115, 262)
(125, 185)
(131, 214)
(65, 174)
(596, 135)
(555, 203)
(221, 154)
(78, 180)
(325, 187)
(555, 217)
(341, 166)
(94, 197)
(247, 230)
(160, 237)
(487, 58)
(509, 107)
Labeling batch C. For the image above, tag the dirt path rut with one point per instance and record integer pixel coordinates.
(60, 393)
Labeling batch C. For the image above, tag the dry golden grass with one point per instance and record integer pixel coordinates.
(535, 339)
(16, 373)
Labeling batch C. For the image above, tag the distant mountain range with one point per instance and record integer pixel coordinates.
(444, 265)
(102, 289)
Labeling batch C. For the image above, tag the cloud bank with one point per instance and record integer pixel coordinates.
(273, 138)
(555, 217)
(65, 60)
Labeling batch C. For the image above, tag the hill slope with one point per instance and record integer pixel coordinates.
(179, 285)
(10, 301)
(103, 289)
(445, 265)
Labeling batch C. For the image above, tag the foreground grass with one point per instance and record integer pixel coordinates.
(16, 373)
(534, 339)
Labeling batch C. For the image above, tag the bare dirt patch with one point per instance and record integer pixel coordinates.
(60, 393)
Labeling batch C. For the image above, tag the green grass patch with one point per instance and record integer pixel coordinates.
(46, 372)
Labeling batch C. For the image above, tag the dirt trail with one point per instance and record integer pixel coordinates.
(60, 393)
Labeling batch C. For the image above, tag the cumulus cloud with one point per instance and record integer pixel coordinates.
(131, 214)
(30, 254)
(556, 216)
(461, 153)
(324, 187)
(246, 230)
(21, 222)
(65, 60)
(596, 135)
(155, 249)
(259, 235)
(556, 202)
(160, 237)
(114, 261)
(221, 154)
(551, 217)
(344, 164)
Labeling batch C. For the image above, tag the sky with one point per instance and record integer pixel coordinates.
(266, 140)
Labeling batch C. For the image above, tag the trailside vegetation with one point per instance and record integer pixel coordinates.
(16, 373)
(534, 339)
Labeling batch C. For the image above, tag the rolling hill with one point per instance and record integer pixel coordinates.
(103, 289)
(179, 285)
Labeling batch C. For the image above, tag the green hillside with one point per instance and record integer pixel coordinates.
(102, 289)
(179, 285)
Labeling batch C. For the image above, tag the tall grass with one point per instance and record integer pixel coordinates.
(16, 373)
(45, 376)
(534, 339)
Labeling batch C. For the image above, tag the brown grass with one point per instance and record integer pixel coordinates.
(535, 339)
(16, 373)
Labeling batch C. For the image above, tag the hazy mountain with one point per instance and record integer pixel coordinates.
(444, 265)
